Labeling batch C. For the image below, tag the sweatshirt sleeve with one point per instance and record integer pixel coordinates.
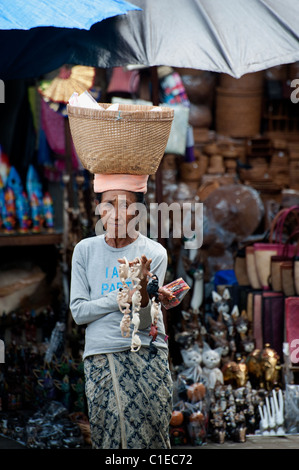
(83, 309)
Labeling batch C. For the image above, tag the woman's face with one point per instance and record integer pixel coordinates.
(114, 212)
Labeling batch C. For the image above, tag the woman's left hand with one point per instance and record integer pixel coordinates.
(145, 265)
(165, 295)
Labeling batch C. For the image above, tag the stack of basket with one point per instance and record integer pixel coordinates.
(293, 148)
(239, 105)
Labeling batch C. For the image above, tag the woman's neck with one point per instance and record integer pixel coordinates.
(116, 242)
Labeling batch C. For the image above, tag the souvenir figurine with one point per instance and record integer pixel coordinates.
(239, 434)
(218, 424)
(20, 200)
(191, 323)
(223, 343)
(37, 220)
(217, 327)
(221, 303)
(196, 392)
(277, 402)
(14, 181)
(9, 211)
(220, 394)
(48, 211)
(211, 359)
(269, 366)
(178, 424)
(235, 373)
(264, 422)
(177, 418)
(192, 359)
(241, 325)
(132, 271)
(33, 185)
(198, 289)
(178, 435)
(241, 322)
(196, 428)
(254, 368)
(184, 339)
(124, 307)
(23, 213)
(35, 197)
(229, 416)
(249, 408)
(247, 344)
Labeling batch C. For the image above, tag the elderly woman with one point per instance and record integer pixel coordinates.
(129, 394)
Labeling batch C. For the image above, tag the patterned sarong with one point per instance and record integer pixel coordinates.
(129, 398)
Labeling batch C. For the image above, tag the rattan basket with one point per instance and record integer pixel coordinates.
(238, 112)
(131, 140)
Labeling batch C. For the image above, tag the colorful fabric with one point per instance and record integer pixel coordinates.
(135, 183)
(53, 124)
(129, 398)
(173, 90)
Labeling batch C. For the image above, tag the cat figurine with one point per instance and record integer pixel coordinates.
(217, 327)
(192, 359)
(227, 353)
(241, 326)
(247, 344)
(211, 359)
(240, 321)
(221, 303)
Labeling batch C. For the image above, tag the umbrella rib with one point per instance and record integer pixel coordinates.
(213, 29)
(280, 20)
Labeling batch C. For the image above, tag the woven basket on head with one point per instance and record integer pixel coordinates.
(131, 140)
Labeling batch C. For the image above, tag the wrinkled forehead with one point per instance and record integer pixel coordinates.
(118, 195)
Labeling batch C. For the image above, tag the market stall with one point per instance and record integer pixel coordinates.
(233, 149)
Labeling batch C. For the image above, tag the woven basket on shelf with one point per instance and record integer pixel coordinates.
(238, 112)
(131, 140)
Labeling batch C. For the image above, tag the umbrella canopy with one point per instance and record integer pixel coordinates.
(230, 36)
(81, 14)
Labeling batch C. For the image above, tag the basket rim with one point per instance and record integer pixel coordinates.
(125, 111)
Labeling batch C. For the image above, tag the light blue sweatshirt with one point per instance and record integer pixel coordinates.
(94, 285)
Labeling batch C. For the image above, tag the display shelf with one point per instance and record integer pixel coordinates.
(43, 238)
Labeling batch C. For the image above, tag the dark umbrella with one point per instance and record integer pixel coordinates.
(228, 36)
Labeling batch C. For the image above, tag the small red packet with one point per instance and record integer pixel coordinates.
(179, 289)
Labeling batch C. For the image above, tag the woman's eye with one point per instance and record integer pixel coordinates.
(106, 206)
